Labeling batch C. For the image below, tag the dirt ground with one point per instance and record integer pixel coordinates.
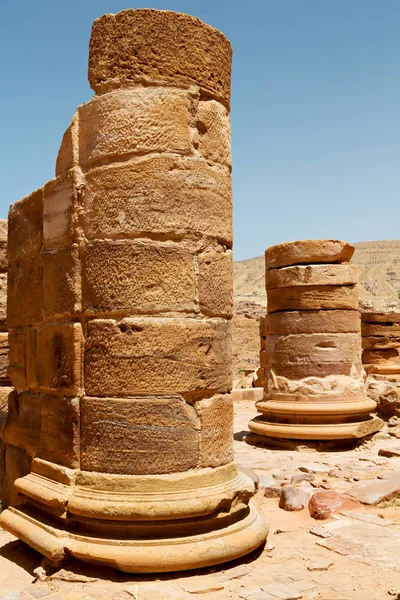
(361, 562)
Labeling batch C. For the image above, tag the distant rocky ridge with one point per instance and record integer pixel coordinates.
(379, 267)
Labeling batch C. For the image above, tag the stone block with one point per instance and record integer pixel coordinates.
(3, 245)
(156, 356)
(381, 342)
(192, 53)
(23, 424)
(389, 318)
(25, 297)
(215, 282)
(315, 348)
(308, 252)
(159, 195)
(60, 211)
(62, 282)
(216, 430)
(380, 329)
(319, 321)
(381, 356)
(60, 430)
(150, 436)
(313, 297)
(311, 275)
(214, 129)
(18, 463)
(138, 277)
(3, 300)
(263, 358)
(67, 157)
(134, 122)
(4, 379)
(21, 358)
(25, 226)
(59, 358)
(300, 370)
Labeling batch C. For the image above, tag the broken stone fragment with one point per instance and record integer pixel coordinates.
(322, 505)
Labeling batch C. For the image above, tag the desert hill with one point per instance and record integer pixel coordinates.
(379, 268)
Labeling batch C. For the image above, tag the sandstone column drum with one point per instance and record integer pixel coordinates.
(313, 385)
(120, 297)
(381, 345)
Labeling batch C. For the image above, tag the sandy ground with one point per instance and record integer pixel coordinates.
(283, 569)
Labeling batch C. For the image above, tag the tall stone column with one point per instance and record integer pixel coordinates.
(314, 385)
(121, 352)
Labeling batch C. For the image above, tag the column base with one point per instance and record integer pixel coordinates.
(171, 523)
(315, 431)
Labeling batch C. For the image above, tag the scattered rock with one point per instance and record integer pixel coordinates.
(250, 473)
(302, 477)
(293, 498)
(323, 504)
(390, 452)
(269, 547)
(393, 421)
(65, 575)
(201, 585)
(322, 565)
(40, 574)
(373, 492)
(337, 473)
(235, 573)
(314, 468)
(321, 532)
(395, 432)
(265, 481)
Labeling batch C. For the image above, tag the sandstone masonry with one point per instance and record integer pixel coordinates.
(311, 345)
(120, 300)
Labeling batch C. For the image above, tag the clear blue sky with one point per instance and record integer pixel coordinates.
(315, 108)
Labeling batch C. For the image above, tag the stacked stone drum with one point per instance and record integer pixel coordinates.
(314, 386)
(120, 299)
(381, 345)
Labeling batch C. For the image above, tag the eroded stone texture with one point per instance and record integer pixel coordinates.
(308, 252)
(311, 345)
(5, 384)
(120, 298)
(381, 360)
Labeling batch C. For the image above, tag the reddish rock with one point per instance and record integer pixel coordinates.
(323, 504)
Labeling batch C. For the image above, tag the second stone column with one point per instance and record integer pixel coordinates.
(138, 232)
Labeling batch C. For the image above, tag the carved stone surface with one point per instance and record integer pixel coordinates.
(120, 302)
(311, 345)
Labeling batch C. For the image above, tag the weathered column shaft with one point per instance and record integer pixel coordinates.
(123, 349)
(314, 386)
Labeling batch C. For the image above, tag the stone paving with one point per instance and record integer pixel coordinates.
(353, 556)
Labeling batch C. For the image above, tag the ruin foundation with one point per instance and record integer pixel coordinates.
(120, 297)
(313, 383)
